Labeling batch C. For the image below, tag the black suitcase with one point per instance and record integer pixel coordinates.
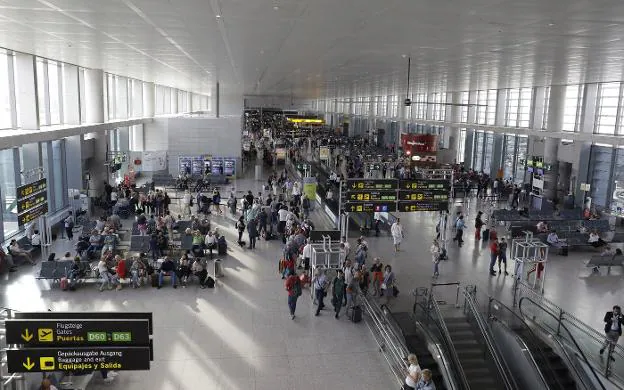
(154, 279)
(222, 249)
(485, 235)
(356, 314)
(210, 282)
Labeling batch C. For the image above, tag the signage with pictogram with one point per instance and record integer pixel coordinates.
(370, 207)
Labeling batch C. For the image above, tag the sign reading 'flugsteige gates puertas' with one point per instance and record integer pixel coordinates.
(76, 341)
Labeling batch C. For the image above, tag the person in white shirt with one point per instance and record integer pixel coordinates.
(553, 240)
(282, 214)
(329, 195)
(107, 278)
(186, 203)
(35, 239)
(114, 196)
(413, 372)
(307, 254)
(595, 240)
(347, 247)
(435, 256)
(397, 234)
(210, 242)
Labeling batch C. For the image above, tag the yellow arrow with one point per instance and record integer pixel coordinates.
(28, 365)
(27, 336)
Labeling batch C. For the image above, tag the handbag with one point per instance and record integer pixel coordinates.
(395, 291)
(383, 286)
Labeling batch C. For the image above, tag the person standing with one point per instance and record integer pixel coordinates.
(459, 228)
(502, 255)
(377, 272)
(293, 286)
(493, 256)
(613, 329)
(435, 256)
(320, 284)
(252, 230)
(69, 226)
(307, 254)
(478, 225)
(338, 292)
(397, 234)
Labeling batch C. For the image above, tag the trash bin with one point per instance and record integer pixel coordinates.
(218, 269)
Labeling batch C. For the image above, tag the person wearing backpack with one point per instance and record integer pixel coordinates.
(293, 286)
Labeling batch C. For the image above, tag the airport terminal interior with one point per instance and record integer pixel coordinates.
(306, 194)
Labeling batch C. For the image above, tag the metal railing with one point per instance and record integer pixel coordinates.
(390, 342)
(573, 332)
(471, 309)
(429, 309)
(539, 316)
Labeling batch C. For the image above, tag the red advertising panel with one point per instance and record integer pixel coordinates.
(419, 143)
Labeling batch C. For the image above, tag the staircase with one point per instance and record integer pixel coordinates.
(562, 377)
(480, 374)
(417, 345)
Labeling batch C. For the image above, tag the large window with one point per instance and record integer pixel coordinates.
(600, 166)
(461, 147)
(464, 107)
(607, 110)
(419, 106)
(521, 154)
(509, 156)
(54, 91)
(477, 164)
(487, 154)
(6, 121)
(518, 107)
(486, 107)
(544, 122)
(8, 188)
(394, 106)
(121, 98)
(439, 106)
(42, 92)
(572, 108)
(617, 198)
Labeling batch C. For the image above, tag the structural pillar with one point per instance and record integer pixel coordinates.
(556, 106)
(94, 93)
(26, 91)
(149, 100)
(71, 95)
(451, 135)
(175, 100)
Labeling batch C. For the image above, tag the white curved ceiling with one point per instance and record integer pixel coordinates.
(319, 48)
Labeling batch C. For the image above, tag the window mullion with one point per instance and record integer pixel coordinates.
(46, 94)
(12, 91)
(618, 115)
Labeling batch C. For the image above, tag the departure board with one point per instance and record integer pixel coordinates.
(32, 201)
(29, 189)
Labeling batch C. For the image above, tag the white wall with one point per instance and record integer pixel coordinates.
(194, 136)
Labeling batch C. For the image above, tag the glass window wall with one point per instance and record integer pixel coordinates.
(477, 163)
(508, 157)
(6, 121)
(54, 92)
(464, 107)
(600, 167)
(7, 189)
(461, 148)
(572, 108)
(487, 154)
(521, 154)
(42, 92)
(607, 109)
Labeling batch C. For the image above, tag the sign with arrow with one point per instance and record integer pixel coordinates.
(372, 184)
(370, 207)
(78, 359)
(77, 332)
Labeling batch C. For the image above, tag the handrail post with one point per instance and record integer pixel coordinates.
(561, 312)
(457, 298)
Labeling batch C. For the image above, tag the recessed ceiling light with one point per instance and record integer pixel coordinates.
(218, 16)
(403, 55)
(275, 7)
(550, 24)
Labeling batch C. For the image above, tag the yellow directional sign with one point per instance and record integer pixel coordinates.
(46, 363)
(45, 335)
(28, 365)
(26, 335)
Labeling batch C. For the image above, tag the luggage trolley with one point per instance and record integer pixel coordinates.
(326, 256)
(530, 256)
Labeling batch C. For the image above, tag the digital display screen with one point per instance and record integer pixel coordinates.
(185, 165)
(32, 188)
(197, 166)
(217, 166)
(229, 166)
(32, 214)
(363, 196)
(379, 184)
(370, 207)
(32, 201)
(410, 206)
(436, 195)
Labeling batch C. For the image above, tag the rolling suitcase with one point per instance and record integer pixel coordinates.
(356, 314)
(154, 279)
(64, 284)
(485, 235)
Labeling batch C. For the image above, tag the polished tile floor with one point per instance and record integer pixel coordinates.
(239, 335)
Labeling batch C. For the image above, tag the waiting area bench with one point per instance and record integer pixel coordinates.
(55, 270)
(605, 261)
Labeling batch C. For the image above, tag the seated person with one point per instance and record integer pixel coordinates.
(99, 224)
(204, 226)
(167, 268)
(142, 225)
(185, 269)
(67, 256)
(138, 271)
(17, 251)
(75, 273)
(553, 240)
(198, 244)
(35, 240)
(542, 227)
(121, 269)
(114, 221)
(106, 275)
(199, 270)
(4, 259)
(595, 240)
(110, 241)
(95, 242)
(210, 242)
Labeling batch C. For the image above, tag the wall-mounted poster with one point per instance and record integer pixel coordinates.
(217, 166)
(229, 166)
(154, 161)
(185, 165)
(197, 167)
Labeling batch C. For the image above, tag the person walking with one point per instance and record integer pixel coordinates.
(293, 286)
(320, 284)
(478, 225)
(397, 234)
(502, 255)
(459, 228)
(377, 273)
(493, 256)
(69, 226)
(252, 230)
(240, 226)
(613, 329)
(387, 287)
(338, 292)
(435, 256)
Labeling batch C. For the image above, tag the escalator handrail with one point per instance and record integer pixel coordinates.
(532, 335)
(446, 336)
(445, 370)
(576, 345)
(525, 347)
(499, 362)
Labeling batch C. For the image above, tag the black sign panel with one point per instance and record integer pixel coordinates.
(78, 332)
(372, 184)
(405, 206)
(32, 214)
(29, 189)
(78, 359)
(103, 315)
(425, 184)
(372, 195)
(32, 201)
(370, 207)
(427, 195)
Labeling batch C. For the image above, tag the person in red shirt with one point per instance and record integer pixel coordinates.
(122, 271)
(293, 286)
(493, 256)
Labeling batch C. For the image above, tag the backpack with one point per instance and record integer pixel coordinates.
(297, 288)
(210, 282)
(306, 203)
(70, 224)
